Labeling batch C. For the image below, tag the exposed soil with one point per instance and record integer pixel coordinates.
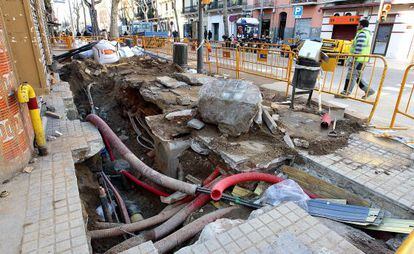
(304, 123)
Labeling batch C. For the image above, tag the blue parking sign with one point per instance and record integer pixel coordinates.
(297, 11)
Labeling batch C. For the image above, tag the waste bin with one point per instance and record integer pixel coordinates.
(180, 54)
(306, 73)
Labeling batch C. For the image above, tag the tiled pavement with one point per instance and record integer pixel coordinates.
(379, 170)
(286, 229)
(53, 221)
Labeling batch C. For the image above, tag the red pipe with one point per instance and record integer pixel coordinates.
(108, 148)
(137, 164)
(165, 228)
(212, 176)
(219, 187)
(119, 199)
(144, 185)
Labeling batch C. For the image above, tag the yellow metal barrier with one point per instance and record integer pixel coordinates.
(269, 63)
(336, 78)
(405, 111)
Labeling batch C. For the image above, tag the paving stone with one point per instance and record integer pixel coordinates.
(307, 230)
(53, 191)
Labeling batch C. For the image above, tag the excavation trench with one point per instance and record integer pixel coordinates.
(134, 104)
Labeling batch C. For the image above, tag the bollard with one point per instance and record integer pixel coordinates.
(180, 54)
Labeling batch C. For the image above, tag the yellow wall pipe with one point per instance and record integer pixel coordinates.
(26, 94)
(407, 247)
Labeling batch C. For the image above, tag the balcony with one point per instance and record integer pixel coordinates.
(230, 4)
(303, 2)
(190, 9)
(258, 4)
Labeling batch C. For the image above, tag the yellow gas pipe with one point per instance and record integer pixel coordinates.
(407, 247)
(26, 94)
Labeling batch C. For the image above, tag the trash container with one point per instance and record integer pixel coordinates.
(306, 73)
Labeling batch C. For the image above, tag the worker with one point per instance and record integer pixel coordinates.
(360, 45)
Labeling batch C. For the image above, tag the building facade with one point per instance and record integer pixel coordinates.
(213, 19)
(395, 36)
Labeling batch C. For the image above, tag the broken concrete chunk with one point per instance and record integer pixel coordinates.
(199, 148)
(195, 79)
(184, 100)
(181, 113)
(230, 104)
(270, 123)
(275, 117)
(288, 141)
(169, 82)
(196, 124)
(301, 143)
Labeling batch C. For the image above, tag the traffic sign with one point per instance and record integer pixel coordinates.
(297, 11)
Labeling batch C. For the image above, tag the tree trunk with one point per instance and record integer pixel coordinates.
(176, 17)
(94, 21)
(84, 14)
(225, 19)
(113, 30)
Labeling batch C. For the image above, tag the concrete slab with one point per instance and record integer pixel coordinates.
(246, 152)
(287, 224)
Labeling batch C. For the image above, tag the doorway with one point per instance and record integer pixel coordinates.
(282, 25)
(215, 31)
(382, 39)
(265, 27)
(344, 32)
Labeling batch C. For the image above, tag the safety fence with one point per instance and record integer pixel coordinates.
(343, 73)
(403, 106)
(65, 42)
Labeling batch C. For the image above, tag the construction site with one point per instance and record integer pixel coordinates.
(126, 146)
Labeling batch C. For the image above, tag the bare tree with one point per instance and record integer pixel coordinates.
(76, 10)
(94, 15)
(113, 29)
(225, 19)
(144, 8)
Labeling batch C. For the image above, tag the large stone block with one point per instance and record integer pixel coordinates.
(231, 104)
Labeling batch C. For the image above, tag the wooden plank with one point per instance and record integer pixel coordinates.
(321, 188)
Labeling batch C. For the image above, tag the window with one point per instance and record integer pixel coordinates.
(166, 6)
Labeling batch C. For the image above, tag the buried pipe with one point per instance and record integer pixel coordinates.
(220, 186)
(118, 198)
(144, 185)
(189, 230)
(165, 228)
(137, 164)
(105, 206)
(136, 226)
(212, 176)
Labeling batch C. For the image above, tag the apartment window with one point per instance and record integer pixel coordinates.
(166, 6)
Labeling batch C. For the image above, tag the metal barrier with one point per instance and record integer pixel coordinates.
(337, 79)
(274, 63)
(405, 111)
(61, 42)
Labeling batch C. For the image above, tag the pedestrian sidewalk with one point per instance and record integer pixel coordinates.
(46, 207)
